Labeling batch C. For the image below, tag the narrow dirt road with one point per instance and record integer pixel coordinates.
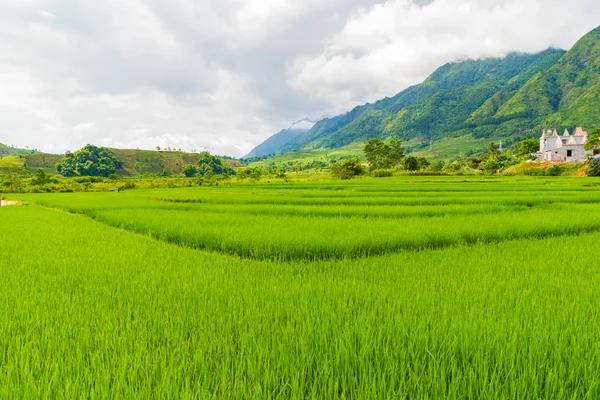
(10, 203)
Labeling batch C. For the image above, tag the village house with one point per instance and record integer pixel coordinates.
(567, 147)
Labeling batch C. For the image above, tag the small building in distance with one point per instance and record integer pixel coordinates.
(567, 147)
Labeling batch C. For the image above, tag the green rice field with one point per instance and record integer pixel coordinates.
(399, 288)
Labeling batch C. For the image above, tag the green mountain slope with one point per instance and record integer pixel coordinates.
(569, 90)
(280, 139)
(443, 105)
(502, 98)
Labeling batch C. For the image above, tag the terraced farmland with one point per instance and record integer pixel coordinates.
(394, 288)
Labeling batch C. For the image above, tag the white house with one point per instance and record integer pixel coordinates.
(567, 147)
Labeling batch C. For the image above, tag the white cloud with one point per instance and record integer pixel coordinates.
(196, 74)
(85, 129)
(46, 15)
(304, 124)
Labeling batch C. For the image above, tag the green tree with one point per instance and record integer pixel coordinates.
(437, 166)
(40, 177)
(525, 147)
(455, 166)
(89, 161)
(411, 163)
(216, 165)
(189, 170)
(347, 169)
(593, 141)
(491, 166)
(255, 174)
(384, 156)
(396, 152)
(506, 159)
(241, 174)
(423, 163)
(377, 154)
(492, 150)
(205, 170)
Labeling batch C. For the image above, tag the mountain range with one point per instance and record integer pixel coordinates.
(280, 139)
(511, 97)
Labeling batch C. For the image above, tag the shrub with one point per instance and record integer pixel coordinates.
(593, 168)
(554, 170)
(189, 170)
(347, 169)
(491, 165)
(128, 185)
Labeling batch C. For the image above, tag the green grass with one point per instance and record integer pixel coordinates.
(12, 165)
(313, 290)
(46, 162)
(452, 148)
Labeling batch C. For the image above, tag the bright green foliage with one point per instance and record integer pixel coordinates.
(190, 170)
(377, 152)
(396, 152)
(347, 169)
(40, 177)
(593, 141)
(554, 170)
(492, 150)
(254, 173)
(525, 147)
(209, 165)
(423, 163)
(433, 288)
(380, 155)
(491, 165)
(437, 166)
(411, 163)
(507, 159)
(89, 161)
(593, 168)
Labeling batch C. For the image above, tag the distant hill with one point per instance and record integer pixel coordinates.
(6, 150)
(508, 98)
(135, 162)
(280, 139)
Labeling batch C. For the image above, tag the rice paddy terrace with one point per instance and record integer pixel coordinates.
(443, 287)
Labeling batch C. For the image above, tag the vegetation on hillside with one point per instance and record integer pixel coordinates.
(446, 104)
(89, 161)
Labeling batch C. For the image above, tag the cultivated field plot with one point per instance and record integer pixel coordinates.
(443, 287)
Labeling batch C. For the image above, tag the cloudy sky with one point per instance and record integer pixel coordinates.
(225, 75)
